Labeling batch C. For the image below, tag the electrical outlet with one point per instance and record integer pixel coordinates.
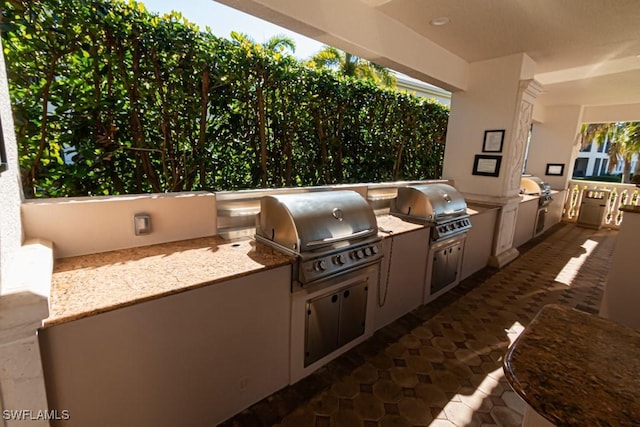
(142, 224)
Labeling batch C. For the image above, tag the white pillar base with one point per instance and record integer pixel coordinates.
(504, 258)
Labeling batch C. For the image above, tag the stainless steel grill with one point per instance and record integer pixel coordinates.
(444, 208)
(534, 186)
(334, 236)
(330, 232)
(438, 205)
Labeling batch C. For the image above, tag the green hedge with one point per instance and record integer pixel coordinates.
(142, 103)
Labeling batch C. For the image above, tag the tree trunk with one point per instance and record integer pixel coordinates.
(322, 138)
(626, 170)
(203, 127)
(398, 161)
(46, 92)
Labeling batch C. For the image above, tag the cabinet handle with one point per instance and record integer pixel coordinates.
(347, 293)
(334, 298)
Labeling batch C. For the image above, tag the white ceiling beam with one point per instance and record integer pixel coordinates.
(353, 26)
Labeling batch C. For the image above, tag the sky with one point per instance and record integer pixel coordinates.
(223, 20)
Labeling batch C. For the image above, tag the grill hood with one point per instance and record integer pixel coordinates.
(432, 202)
(304, 222)
(533, 185)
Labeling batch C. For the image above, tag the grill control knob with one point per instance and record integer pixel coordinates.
(359, 254)
(339, 259)
(367, 252)
(374, 249)
(321, 266)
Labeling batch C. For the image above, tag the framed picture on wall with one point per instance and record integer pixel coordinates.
(555, 169)
(486, 165)
(493, 140)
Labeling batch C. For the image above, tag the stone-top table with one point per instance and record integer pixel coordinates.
(577, 369)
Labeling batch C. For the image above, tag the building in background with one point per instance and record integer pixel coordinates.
(593, 160)
(419, 88)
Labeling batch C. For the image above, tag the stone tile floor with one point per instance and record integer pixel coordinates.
(441, 365)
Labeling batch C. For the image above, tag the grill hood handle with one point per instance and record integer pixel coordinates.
(338, 238)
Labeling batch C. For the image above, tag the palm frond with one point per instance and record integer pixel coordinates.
(328, 57)
(280, 42)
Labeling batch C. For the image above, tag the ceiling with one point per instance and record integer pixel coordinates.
(586, 51)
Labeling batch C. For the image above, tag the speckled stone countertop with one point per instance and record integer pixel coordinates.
(389, 225)
(577, 369)
(477, 208)
(528, 197)
(87, 285)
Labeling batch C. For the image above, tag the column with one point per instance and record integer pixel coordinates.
(500, 96)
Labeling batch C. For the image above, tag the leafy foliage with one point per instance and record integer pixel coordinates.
(624, 139)
(349, 65)
(111, 99)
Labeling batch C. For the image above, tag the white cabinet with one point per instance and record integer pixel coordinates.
(525, 221)
(555, 209)
(402, 275)
(192, 358)
(621, 297)
(479, 241)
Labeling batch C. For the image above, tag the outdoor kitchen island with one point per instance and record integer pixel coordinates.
(171, 334)
(187, 327)
(583, 374)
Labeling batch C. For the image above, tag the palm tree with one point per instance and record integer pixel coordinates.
(351, 65)
(599, 133)
(624, 141)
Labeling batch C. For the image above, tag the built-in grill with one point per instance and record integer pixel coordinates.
(330, 232)
(534, 186)
(438, 205)
(334, 237)
(443, 208)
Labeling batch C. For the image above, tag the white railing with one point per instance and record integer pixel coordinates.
(621, 194)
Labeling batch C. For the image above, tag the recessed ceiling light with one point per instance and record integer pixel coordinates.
(440, 21)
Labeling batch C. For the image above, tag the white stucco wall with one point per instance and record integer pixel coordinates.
(488, 104)
(554, 141)
(86, 225)
(10, 187)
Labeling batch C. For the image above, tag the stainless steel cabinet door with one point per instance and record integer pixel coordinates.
(321, 338)
(353, 312)
(445, 267)
(439, 271)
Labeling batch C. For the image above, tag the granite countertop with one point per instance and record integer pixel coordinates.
(86, 285)
(577, 369)
(528, 197)
(477, 208)
(389, 225)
